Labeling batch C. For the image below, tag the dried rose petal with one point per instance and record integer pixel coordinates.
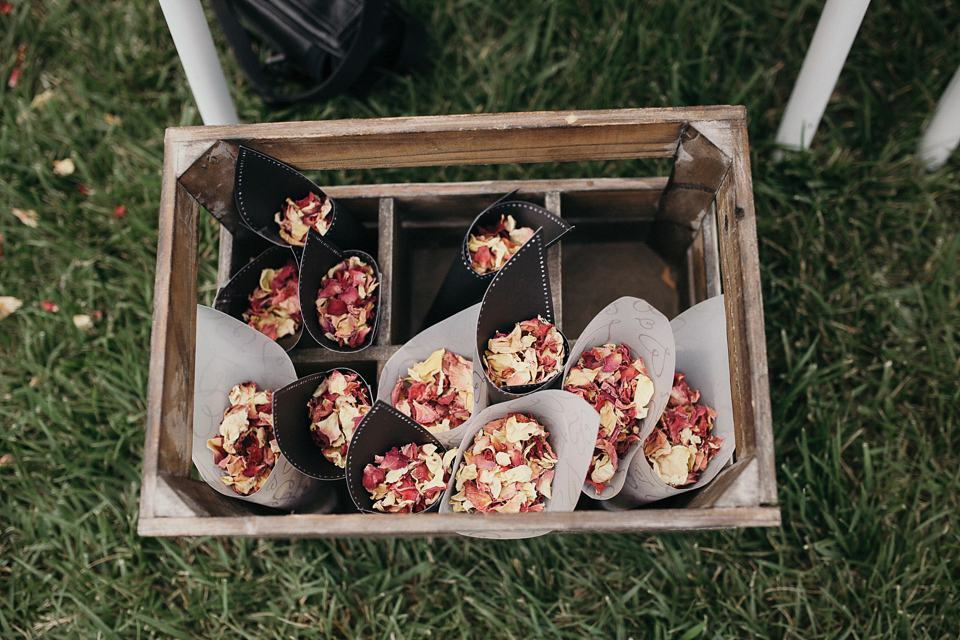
(682, 443)
(46, 305)
(336, 408)
(83, 322)
(9, 304)
(299, 216)
(438, 392)
(26, 216)
(275, 305)
(119, 211)
(533, 352)
(490, 247)
(346, 302)
(245, 448)
(508, 468)
(17, 66)
(408, 479)
(618, 387)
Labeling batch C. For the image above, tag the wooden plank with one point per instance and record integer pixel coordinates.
(459, 139)
(389, 229)
(749, 377)
(699, 170)
(431, 524)
(170, 384)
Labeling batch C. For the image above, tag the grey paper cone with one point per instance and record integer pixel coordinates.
(571, 426)
(456, 334)
(230, 353)
(700, 333)
(648, 333)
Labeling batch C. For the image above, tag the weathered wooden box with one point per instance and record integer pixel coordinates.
(673, 240)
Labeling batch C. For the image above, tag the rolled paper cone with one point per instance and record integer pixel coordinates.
(319, 256)
(519, 291)
(229, 353)
(382, 429)
(700, 333)
(291, 424)
(261, 187)
(455, 334)
(234, 298)
(463, 286)
(648, 333)
(571, 425)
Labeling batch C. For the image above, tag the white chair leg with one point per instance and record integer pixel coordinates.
(821, 68)
(942, 134)
(191, 36)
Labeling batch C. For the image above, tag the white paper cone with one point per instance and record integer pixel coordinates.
(648, 333)
(230, 353)
(458, 334)
(571, 426)
(700, 333)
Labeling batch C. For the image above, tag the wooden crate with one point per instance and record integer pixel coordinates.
(699, 222)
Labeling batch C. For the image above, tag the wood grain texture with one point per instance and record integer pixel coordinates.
(431, 524)
(553, 136)
(749, 377)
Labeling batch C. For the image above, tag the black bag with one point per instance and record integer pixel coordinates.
(337, 45)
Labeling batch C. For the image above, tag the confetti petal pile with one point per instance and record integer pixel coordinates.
(682, 443)
(408, 479)
(618, 387)
(438, 392)
(299, 216)
(336, 408)
(531, 353)
(508, 468)
(246, 449)
(491, 247)
(275, 305)
(346, 302)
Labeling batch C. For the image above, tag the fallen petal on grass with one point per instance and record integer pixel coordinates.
(26, 216)
(83, 322)
(9, 304)
(64, 167)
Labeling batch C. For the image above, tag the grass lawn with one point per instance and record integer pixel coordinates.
(859, 256)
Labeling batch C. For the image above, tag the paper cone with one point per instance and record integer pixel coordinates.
(291, 423)
(262, 186)
(519, 291)
(455, 334)
(571, 426)
(319, 256)
(648, 333)
(463, 286)
(230, 353)
(381, 430)
(700, 333)
(234, 298)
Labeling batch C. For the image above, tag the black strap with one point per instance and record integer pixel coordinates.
(351, 66)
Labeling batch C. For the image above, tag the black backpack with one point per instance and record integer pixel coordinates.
(335, 46)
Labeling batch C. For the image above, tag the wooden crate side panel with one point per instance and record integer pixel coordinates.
(740, 269)
(360, 525)
(167, 447)
(460, 139)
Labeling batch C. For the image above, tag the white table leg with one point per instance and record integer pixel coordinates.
(821, 68)
(942, 134)
(191, 35)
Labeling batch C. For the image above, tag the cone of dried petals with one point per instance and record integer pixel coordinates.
(275, 304)
(618, 387)
(438, 392)
(490, 247)
(246, 449)
(408, 479)
(298, 216)
(508, 468)
(336, 408)
(682, 444)
(531, 353)
(346, 302)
